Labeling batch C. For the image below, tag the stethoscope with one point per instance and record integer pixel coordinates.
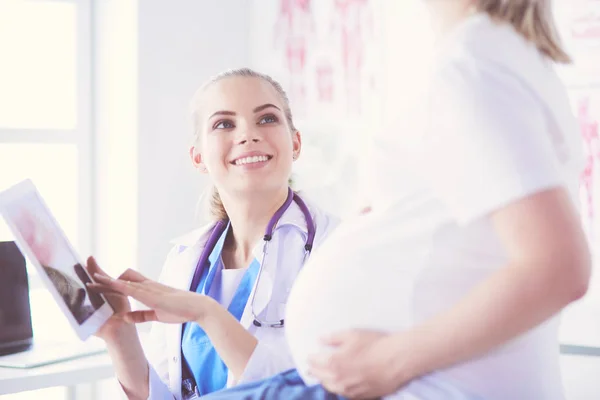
(222, 225)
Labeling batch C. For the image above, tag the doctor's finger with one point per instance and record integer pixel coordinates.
(93, 267)
(129, 289)
(133, 276)
(133, 289)
(100, 288)
(333, 386)
(324, 371)
(148, 292)
(148, 284)
(141, 316)
(323, 362)
(346, 388)
(145, 284)
(340, 338)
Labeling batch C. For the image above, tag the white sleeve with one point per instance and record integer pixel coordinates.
(156, 351)
(487, 143)
(158, 365)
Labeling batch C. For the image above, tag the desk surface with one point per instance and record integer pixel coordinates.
(67, 373)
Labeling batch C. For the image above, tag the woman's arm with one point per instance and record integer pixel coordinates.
(231, 340)
(129, 361)
(123, 342)
(549, 268)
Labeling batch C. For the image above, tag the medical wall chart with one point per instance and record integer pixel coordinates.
(327, 54)
(579, 25)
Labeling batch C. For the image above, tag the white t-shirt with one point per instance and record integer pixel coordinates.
(494, 126)
(226, 284)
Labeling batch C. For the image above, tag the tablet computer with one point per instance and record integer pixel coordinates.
(44, 243)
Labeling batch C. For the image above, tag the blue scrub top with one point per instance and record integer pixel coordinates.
(209, 371)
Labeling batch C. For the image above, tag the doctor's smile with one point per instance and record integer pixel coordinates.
(252, 159)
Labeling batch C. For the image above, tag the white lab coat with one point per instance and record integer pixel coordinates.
(284, 261)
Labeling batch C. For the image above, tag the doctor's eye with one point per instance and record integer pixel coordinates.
(268, 119)
(224, 124)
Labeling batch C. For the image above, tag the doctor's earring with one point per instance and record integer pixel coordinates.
(200, 166)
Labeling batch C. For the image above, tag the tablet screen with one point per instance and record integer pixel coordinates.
(52, 251)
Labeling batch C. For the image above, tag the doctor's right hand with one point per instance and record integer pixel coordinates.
(167, 304)
(119, 303)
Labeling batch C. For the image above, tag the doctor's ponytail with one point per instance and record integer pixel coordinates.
(216, 209)
(533, 19)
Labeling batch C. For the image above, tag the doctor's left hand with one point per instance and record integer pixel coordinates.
(166, 304)
(361, 365)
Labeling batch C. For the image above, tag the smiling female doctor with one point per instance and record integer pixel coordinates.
(238, 270)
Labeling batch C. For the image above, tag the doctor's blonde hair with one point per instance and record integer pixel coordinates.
(533, 19)
(216, 210)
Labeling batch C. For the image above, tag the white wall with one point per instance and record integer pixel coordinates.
(115, 132)
(580, 377)
(152, 55)
(181, 44)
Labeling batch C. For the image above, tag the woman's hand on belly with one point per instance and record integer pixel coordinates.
(363, 364)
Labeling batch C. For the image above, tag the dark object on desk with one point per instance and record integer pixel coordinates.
(16, 332)
(17, 347)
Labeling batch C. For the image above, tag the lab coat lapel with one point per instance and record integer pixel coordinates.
(181, 271)
(179, 275)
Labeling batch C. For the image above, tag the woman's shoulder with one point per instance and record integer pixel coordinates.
(192, 237)
(481, 39)
(488, 56)
(325, 221)
(317, 211)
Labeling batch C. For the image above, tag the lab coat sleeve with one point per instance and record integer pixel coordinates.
(266, 361)
(158, 364)
(325, 225)
(157, 354)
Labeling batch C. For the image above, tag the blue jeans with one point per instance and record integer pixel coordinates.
(286, 385)
(289, 386)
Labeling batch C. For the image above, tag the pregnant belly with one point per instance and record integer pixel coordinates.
(348, 285)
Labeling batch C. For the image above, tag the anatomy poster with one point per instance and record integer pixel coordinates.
(587, 107)
(327, 55)
(579, 25)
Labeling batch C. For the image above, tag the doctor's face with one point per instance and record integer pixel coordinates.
(244, 140)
